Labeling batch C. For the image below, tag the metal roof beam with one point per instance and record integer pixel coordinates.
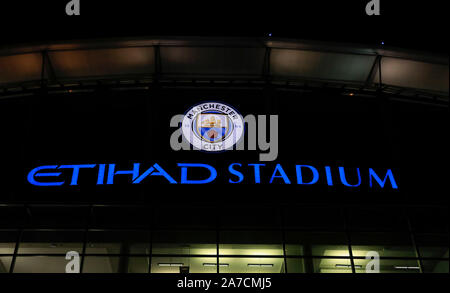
(376, 67)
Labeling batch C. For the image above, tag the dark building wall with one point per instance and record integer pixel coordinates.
(287, 227)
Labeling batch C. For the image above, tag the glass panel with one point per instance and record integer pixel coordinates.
(51, 242)
(209, 60)
(389, 266)
(59, 217)
(184, 264)
(330, 250)
(427, 220)
(435, 266)
(118, 242)
(321, 65)
(40, 264)
(244, 243)
(131, 217)
(11, 217)
(295, 265)
(5, 263)
(251, 249)
(331, 265)
(138, 264)
(174, 217)
(104, 264)
(21, 67)
(184, 242)
(435, 246)
(313, 218)
(294, 249)
(116, 264)
(76, 63)
(385, 244)
(7, 241)
(316, 244)
(377, 219)
(250, 218)
(414, 74)
(251, 265)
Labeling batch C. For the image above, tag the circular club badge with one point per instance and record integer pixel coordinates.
(212, 126)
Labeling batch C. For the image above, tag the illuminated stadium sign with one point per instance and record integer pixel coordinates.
(53, 175)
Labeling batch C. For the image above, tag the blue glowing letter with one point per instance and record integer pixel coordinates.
(101, 173)
(111, 173)
(151, 172)
(184, 179)
(299, 174)
(76, 171)
(282, 173)
(235, 172)
(344, 180)
(34, 173)
(378, 180)
(329, 178)
(257, 173)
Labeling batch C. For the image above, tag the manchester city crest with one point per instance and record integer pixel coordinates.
(212, 126)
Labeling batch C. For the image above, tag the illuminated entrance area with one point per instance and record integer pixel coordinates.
(166, 239)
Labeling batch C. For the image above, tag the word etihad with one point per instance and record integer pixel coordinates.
(50, 175)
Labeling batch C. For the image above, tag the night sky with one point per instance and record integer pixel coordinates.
(406, 24)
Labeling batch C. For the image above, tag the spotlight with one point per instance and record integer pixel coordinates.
(348, 266)
(269, 265)
(214, 264)
(406, 268)
(170, 264)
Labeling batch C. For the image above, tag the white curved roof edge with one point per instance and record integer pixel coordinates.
(348, 48)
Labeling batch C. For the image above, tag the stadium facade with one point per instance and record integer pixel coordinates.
(372, 122)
